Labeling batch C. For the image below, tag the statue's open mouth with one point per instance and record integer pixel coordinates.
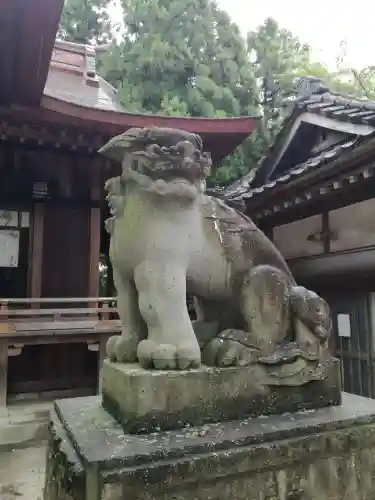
(160, 154)
(180, 162)
(169, 173)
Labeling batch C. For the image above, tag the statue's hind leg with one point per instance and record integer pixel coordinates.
(264, 308)
(123, 347)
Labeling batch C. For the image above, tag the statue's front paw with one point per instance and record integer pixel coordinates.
(122, 348)
(226, 352)
(168, 356)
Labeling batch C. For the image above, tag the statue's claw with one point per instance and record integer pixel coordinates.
(226, 352)
(168, 356)
(122, 348)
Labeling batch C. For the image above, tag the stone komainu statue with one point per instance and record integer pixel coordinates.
(169, 238)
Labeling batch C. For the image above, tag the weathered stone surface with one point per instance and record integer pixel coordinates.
(146, 400)
(167, 237)
(64, 470)
(326, 454)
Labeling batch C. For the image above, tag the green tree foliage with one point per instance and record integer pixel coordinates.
(336, 81)
(187, 58)
(85, 21)
(279, 58)
(181, 56)
(276, 56)
(364, 82)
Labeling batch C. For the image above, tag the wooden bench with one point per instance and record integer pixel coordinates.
(35, 322)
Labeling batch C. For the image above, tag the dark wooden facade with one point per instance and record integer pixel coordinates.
(54, 201)
(313, 194)
(51, 196)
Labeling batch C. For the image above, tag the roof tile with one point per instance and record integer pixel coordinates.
(321, 159)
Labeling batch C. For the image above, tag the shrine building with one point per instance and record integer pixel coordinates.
(55, 113)
(313, 195)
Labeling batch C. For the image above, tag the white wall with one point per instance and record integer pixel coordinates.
(354, 226)
(292, 239)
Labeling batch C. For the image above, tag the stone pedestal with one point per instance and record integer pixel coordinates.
(149, 400)
(324, 454)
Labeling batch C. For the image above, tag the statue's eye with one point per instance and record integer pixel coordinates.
(320, 308)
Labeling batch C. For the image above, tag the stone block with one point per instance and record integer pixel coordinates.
(324, 454)
(148, 400)
(24, 425)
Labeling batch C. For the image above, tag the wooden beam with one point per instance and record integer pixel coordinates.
(348, 195)
(358, 261)
(337, 125)
(94, 231)
(35, 41)
(36, 261)
(39, 134)
(3, 373)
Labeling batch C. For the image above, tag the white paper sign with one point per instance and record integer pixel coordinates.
(9, 247)
(25, 219)
(8, 218)
(343, 325)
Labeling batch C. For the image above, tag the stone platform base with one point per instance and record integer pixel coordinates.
(151, 400)
(326, 454)
(24, 424)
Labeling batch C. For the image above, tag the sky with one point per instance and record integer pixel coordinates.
(323, 24)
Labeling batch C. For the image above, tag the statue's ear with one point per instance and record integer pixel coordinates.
(113, 149)
(199, 140)
(116, 147)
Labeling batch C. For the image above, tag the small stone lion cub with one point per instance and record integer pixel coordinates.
(311, 320)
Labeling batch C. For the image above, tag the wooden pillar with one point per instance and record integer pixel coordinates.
(3, 373)
(36, 257)
(94, 229)
(102, 354)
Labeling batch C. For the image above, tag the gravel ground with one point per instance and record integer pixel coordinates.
(22, 474)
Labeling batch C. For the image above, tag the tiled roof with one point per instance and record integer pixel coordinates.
(311, 96)
(315, 162)
(314, 97)
(73, 78)
(73, 88)
(242, 189)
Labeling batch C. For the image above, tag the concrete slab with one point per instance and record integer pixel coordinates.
(24, 424)
(22, 474)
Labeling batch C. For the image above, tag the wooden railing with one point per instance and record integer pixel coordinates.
(35, 322)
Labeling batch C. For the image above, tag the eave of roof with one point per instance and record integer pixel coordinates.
(323, 158)
(340, 107)
(337, 169)
(221, 135)
(218, 141)
(236, 125)
(326, 174)
(316, 100)
(27, 39)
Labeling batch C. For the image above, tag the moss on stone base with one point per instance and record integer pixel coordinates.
(327, 454)
(144, 401)
(65, 478)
